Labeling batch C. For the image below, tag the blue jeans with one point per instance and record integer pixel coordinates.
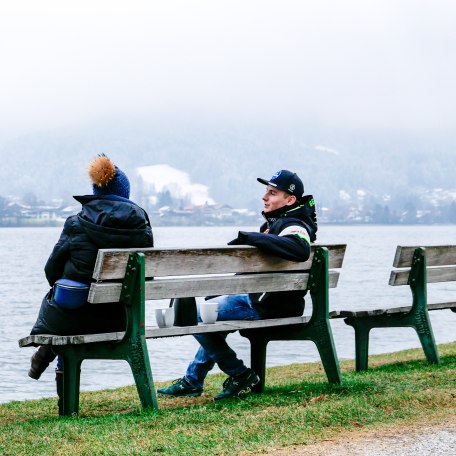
(214, 348)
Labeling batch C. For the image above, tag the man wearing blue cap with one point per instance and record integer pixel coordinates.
(289, 229)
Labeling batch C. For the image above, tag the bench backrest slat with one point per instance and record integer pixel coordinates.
(111, 263)
(207, 286)
(434, 275)
(436, 255)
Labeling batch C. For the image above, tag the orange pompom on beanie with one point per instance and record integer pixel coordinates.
(108, 179)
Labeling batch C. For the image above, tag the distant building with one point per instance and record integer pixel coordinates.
(159, 180)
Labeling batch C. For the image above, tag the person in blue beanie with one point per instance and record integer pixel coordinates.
(289, 228)
(108, 219)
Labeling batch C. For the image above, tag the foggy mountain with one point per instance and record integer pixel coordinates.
(228, 159)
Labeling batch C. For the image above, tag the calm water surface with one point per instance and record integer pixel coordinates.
(363, 284)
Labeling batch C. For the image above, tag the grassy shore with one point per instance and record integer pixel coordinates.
(298, 407)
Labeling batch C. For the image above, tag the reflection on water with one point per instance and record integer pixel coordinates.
(363, 284)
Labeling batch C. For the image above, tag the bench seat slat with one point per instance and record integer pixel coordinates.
(49, 339)
(154, 332)
(442, 305)
(392, 311)
(434, 275)
(111, 263)
(436, 255)
(207, 286)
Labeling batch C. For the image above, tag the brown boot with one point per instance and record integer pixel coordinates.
(40, 361)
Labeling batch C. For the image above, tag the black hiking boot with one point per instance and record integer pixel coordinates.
(40, 361)
(239, 385)
(180, 388)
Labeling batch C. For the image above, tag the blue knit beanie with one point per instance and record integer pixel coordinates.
(108, 179)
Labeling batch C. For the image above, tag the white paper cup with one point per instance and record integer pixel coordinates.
(164, 317)
(209, 312)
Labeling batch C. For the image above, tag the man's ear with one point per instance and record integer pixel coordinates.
(291, 200)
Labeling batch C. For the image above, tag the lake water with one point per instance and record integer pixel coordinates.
(363, 284)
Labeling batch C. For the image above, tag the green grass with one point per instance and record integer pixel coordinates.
(298, 407)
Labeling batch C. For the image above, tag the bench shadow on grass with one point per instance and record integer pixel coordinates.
(275, 395)
(124, 402)
(410, 365)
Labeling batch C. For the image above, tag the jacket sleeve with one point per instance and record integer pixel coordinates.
(287, 246)
(60, 254)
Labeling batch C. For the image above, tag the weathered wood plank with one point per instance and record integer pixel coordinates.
(434, 275)
(154, 332)
(111, 263)
(373, 312)
(48, 339)
(233, 325)
(208, 285)
(391, 311)
(436, 255)
(442, 305)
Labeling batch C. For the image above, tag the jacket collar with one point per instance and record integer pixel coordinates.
(84, 199)
(284, 211)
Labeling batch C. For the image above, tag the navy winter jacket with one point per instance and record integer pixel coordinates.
(287, 233)
(104, 222)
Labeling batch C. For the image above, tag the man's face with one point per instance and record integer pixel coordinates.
(275, 199)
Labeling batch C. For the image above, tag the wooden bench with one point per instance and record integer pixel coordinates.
(132, 276)
(418, 267)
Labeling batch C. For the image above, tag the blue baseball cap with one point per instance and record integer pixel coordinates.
(286, 181)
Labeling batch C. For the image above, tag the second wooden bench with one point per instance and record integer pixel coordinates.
(417, 266)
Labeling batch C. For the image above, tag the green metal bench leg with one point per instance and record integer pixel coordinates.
(133, 295)
(426, 336)
(362, 347)
(138, 359)
(419, 316)
(319, 333)
(71, 384)
(319, 328)
(362, 331)
(258, 361)
(327, 350)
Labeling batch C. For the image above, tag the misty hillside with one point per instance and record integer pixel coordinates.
(228, 160)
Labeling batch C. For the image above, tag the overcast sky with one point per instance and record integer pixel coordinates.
(349, 63)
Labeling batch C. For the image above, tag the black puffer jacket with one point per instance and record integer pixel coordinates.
(104, 222)
(287, 233)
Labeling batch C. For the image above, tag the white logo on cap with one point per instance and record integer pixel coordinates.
(291, 187)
